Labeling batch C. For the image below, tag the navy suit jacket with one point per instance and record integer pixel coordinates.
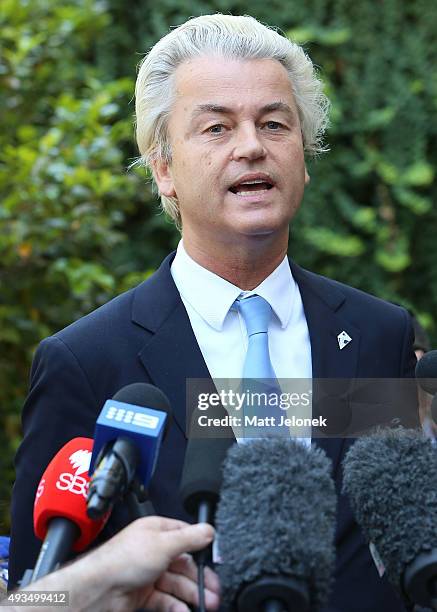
(144, 335)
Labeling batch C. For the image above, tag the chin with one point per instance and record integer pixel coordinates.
(263, 225)
(261, 230)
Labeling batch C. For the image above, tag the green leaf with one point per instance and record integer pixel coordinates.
(381, 117)
(394, 255)
(392, 262)
(420, 174)
(388, 172)
(328, 241)
(329, 37)
(418, 204)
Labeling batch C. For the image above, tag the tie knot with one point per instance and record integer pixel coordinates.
(256, 312)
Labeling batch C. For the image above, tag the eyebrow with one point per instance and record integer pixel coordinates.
(224, 110)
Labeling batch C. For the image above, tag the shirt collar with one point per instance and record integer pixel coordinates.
(279, 290)
(212, 296)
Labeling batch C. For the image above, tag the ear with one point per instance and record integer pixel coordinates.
(163, 178)
(307, 176)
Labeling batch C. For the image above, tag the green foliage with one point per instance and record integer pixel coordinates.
(76, 227)
(378, 180)
(67, 200)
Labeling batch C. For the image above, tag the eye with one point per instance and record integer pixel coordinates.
(274, 125)
(218, 128)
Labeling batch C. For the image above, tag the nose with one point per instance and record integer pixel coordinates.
(248, 144)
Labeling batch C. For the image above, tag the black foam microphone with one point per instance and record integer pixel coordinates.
(202, 476)
(426, 372)
(391, 479)
(200, 487)
(276, 523)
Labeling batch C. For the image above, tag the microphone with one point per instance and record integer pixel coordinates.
(426, 372)
(202, 476)
(276, 523)
(59, 512)
(200, 488)
(391, 480)
(127, 439)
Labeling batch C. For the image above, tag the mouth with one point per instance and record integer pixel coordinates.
(252, 185)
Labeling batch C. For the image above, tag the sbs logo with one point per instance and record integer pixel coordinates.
(75, 483)
(40, 489)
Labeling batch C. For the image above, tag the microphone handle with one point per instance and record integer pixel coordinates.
(56, 547)
(136, 510)
(115, 469)
(204, 512)
(204, 515)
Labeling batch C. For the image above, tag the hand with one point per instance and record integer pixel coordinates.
(144, 566)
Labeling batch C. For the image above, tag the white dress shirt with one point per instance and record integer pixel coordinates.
(221, 332)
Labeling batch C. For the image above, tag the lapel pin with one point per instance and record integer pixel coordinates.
(343, 339)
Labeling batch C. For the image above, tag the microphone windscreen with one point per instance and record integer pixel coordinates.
(391, 480)
(147, 396)
(62, 493)
(276, 517)
(426, 372)
(141, 413)
(202, 474)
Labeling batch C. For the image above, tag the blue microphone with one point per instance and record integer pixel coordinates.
(127, 440)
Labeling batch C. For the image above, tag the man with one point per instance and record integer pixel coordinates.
(141, 567)
(226, 110)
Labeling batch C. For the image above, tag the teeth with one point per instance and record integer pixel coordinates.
(255, 182)
(251, 193)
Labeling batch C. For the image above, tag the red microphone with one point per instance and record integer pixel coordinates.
(59, 512)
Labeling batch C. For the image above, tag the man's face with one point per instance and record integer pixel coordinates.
(237, 164)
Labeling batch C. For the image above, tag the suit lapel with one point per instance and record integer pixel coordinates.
(323, 301)
(171, 353)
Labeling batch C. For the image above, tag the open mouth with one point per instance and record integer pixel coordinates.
(245, 188)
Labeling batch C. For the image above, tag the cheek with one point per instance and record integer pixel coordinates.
(207, 172)
(208, 160)
(197, 171)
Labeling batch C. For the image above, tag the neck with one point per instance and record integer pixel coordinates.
(244, 265)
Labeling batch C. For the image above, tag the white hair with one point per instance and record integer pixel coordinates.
(227, 36)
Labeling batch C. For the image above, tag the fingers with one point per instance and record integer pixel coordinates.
(212, 582)
(188, 538)
(186, 565)
(162, 602)
(185, 588)
(159, 523)
(195, 536)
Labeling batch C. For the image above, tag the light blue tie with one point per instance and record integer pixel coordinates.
(258, 374)
(257, 312)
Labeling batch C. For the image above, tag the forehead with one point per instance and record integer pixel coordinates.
(237, 83)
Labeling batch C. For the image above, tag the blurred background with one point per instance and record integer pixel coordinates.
(77, 228)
